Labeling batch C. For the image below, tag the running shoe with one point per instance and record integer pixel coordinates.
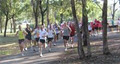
(41, 55)
(25, 49)
(54, 44)
(50, 50)
(22, 54)
(66, 49)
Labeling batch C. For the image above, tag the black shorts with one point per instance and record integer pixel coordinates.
(42, 41)
(20, 41)
(89, 30)
(37, 39)
(66, 37)
(28, 37)
(71, 35)
(50, 39)
(96, 28)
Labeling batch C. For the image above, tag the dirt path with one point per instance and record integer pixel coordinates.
(48, 57)
(32, 57)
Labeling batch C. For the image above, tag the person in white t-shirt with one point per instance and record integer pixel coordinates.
(36, 33)
(43, 35)
(89, 28)
(50, 35)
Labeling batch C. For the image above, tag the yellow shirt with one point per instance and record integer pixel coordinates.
(20, 35)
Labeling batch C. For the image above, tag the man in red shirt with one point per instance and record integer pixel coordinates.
(72, 26)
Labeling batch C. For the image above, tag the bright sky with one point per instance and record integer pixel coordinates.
(110, 3)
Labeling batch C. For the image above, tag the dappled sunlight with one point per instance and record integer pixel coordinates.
(7, 45)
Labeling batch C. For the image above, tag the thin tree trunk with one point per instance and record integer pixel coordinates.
(113, 14)
(104, 18)
(42, 10)
(14, 24)
(85, 27)
(35, 11)
(36, 20)
(42, 18)
(48, 22)
(1, 25)
(11, 28)
(61, 16)
(6, 26)
(80, 47)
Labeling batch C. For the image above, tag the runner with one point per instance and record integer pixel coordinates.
(28, 36)
(66, 35)
(36, 34)
(43, 34)
(50, 36)
(72, 26)
(21, 38)
(57, 31)
(89, 29)
(34, 41)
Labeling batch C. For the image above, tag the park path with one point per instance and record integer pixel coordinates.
(32, 57)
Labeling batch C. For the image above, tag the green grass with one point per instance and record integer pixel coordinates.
(8, 44)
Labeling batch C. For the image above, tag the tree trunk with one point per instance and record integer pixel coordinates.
(14, 24)
(6, 26)
(42, 10)
(36, 20)
(35, 4)
(42, 18)
(104, 18)
(11, 28)
(1, 29)
(1, 25)
(85, 27)
(80, 47)
(113, 14)
(48, 22)
(61, 16)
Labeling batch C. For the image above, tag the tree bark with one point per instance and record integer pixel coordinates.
(61, 16)
(11, 28)
(104, 18)
(14, 24)
(48, 22)
(35, 4)
(43, 11)
(36, 20)
(42, 18)
(114, 10)
(6, 25)
(85, 28)
(80, 47)
(1, 25)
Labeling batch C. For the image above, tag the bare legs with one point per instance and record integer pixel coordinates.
(65, 44)
(22, 46)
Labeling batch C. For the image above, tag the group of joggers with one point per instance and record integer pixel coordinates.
(43, 36)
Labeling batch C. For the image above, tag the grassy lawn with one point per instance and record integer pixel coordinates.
(8, 45)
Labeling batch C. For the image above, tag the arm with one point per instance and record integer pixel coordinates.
(69, 29)
(16, 33)
(25, 32)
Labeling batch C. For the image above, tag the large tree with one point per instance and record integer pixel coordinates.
(80, 47)
(43, 8)
(5, 9)
(85, 26)
(104, 22)
(35, 7)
